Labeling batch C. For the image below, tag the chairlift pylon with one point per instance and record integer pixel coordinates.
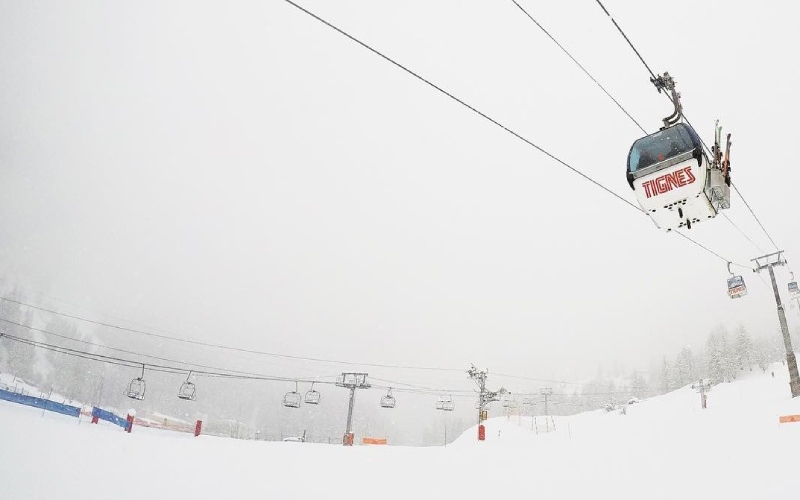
(292, 399)
(137, 387)
(736, 286)
(388, 401)
(312, 397)
(187, 391)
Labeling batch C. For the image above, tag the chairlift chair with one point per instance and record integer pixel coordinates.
(445, 403)
(736, 286)
(312, 397)
(292, 399)
(187, 391)
(137, 387)
(388, 400)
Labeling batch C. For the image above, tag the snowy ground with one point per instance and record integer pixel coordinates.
(664, 448)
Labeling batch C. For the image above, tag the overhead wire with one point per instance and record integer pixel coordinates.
(537, 23)
(125, 351)
(653, 75)
(25, 290)
(463, 103)
(742, 232)
(221, 346)
(114, 360)
(777, 249)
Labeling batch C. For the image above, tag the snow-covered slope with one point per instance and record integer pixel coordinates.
(665, 447)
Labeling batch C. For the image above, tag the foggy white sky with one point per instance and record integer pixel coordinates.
(238, 173)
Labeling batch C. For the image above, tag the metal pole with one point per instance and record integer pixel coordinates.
(350, 410)
(791, 360)
(351, 381)
(546, 392)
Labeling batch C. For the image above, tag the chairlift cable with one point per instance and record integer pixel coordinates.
(221, 346)
(149, 366)
(580, 66)
(230, 373)
(115, 361)
(133, 353)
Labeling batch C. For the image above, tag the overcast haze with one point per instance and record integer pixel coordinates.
(239, 173)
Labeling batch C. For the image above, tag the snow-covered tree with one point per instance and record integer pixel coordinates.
(720, 361)
(16, 356)
(684, 371)
(665, 380)
(744, 350)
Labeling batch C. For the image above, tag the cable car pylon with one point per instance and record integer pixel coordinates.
(768, 262)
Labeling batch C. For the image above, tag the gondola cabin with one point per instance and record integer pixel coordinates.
(736, 287)
(794, 291)
(674, 181)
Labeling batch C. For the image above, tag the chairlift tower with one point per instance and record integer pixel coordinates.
(702, 387)
(768, 262)
(546, 392)
(351, 381)
(485, 396)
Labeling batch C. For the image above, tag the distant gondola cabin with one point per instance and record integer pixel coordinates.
(794, 291)
(736, 287)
